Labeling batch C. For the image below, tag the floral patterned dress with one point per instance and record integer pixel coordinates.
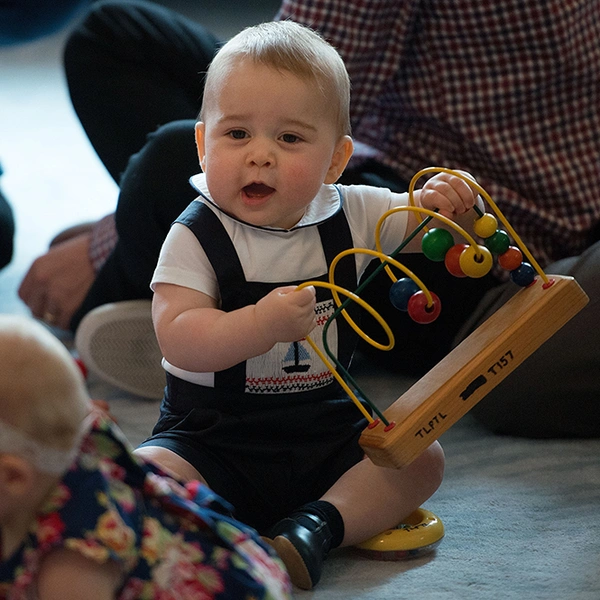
(173, 542)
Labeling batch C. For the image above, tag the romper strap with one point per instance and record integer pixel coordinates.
(336, 237)
(219, 249)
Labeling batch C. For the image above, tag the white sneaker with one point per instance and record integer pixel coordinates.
(117, 342)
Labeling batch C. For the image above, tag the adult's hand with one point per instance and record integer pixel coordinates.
(58, 281)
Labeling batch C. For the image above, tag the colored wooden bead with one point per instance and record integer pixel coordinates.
(420, 312)
(523, 275)
(485, 226)
(511, 259)
(401, 291)
(436, 242)
(476, 261)
(452, 260)
(498, 243)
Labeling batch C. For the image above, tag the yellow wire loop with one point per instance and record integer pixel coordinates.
(372, 311)
(336, 289)
(419, 210)
(474, 185)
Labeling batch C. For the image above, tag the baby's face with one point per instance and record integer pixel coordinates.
(267, 144)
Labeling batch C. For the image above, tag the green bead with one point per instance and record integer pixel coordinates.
(436, 242)
(498, 243)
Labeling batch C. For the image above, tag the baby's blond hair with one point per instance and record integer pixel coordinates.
(289, 47)
(42, 391)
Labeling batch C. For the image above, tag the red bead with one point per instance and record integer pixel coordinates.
(511, 259)
(452, 260)
(420, 312)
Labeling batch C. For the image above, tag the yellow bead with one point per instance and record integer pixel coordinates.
(485, 226)
(476, 261)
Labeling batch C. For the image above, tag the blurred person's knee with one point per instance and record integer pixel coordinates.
(157, 177)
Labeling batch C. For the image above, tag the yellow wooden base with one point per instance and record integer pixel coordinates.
(440, 398)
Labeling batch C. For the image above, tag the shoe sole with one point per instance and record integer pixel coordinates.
(292, 560)
(117, 342)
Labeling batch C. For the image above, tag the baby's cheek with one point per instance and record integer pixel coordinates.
(297, 172)
(305, 179)
(220, 182)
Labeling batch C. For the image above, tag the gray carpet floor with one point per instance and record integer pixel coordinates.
(521, 516)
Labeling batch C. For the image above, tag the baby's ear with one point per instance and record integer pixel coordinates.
(17, 476)
(341, 155)
(200, 147)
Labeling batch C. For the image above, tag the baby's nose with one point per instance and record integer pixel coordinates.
(261, 154)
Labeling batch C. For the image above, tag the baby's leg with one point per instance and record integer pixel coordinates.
(371, 499)
(363, 502)
(170, 462)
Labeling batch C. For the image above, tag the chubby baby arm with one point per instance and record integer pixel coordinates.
(197, 336)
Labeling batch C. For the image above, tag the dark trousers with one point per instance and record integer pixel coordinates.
(134, 71)
(132, 66)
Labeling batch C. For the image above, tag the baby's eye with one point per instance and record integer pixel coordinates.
(290, 138)
(237, 134)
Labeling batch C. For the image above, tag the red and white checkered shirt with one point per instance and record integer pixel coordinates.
(509, 91)
(103, 240)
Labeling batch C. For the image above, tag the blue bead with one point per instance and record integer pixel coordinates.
(401, 291)
(523, 275)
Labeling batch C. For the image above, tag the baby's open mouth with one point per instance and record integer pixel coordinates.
(258, 190)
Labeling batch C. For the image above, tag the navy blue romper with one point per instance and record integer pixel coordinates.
(267, 454)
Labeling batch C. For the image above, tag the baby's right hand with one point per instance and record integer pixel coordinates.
(449, 194)
(287, 315)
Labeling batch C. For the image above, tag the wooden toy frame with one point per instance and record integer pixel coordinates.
(456, 384)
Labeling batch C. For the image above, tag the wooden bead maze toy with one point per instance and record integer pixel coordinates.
(493, 351)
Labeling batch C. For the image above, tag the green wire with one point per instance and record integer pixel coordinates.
(346, 375)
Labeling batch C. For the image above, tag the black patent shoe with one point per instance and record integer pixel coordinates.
(302, 541)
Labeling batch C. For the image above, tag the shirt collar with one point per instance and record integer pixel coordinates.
(324, 205)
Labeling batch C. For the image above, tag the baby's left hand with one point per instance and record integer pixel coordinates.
(448, 193)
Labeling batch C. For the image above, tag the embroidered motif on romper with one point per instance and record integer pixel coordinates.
(294, 367)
